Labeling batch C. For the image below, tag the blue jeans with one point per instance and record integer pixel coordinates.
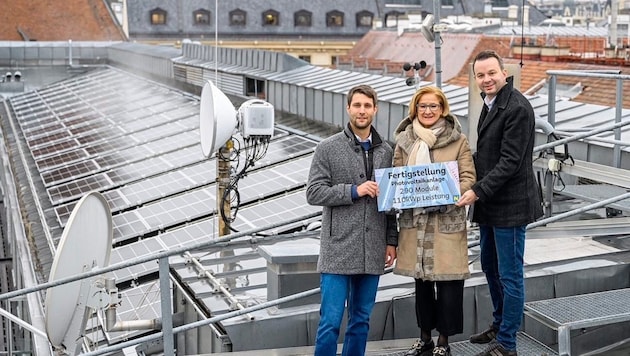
(359, 290)
(502, 252)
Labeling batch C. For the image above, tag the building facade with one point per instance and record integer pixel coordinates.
(318, 31)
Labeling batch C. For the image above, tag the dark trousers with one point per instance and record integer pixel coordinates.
(440, 306)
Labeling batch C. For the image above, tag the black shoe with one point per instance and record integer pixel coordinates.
(496, 349)
(484, 337)
(442, 351)
(421, 348)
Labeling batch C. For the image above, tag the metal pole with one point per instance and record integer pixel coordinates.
(223, 181)
(551, 101)
(216, 42)
(438, 44)
(167, 312)
(617, 131)
(10, 317)
(580, 136)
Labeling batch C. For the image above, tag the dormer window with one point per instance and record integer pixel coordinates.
(303, 18)
(201, 17)
(158, 16)
(334, 19)
(364, 19)
(238, 17)
(271, 18)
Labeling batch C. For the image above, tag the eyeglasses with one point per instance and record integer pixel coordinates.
(432, 107)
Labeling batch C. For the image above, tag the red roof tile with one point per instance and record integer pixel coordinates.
(48, 20)
(458, 51)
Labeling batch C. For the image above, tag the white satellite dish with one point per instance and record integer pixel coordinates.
(427, 28)
(217, 119)
(85, 244)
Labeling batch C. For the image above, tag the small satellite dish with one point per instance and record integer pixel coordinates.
(217, 119)
(85, 244)
(427, 28)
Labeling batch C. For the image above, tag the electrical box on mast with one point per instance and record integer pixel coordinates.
(256, 118)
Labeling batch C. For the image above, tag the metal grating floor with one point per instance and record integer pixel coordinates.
(583, 308)
(525, 344)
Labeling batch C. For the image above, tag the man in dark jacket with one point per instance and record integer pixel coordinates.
(357, 241)
(506, 197)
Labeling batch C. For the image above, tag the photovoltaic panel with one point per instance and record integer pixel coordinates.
(66, 173)
(78, 130)
(158, 216)
(36, 122)
(48, 140)
(202, 172)
(116, 158)
(275, 210)
(170, 183)
(111, 145)
(138, 123)
(289, 206)
(63, 158)
(75, 189)
(129, 224)
(198, 203)
(41, 132)
(152, 188)
(139, 145)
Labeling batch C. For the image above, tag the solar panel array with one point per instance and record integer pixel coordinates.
(137, 142)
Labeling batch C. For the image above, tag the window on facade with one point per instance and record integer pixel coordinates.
(500, 3)
(201, 17)
(271, 18)
(447, 2)
(158, 17)
(364, 19)
(238, 17)
(255, 88)
(334, 19)
(391, 18)
(305, 58)
(302, 18)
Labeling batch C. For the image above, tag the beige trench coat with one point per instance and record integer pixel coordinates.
(434, 246)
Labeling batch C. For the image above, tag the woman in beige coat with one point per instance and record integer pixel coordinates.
(432, 242)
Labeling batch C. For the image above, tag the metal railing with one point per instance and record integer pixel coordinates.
(549, 129)
(166, 335)
(619, 78)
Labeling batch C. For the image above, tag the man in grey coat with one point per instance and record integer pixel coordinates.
(357, 241)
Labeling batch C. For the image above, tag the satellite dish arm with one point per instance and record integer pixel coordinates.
(129, 325)
(111, 324)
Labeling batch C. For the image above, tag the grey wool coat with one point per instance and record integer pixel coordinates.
(354, 233)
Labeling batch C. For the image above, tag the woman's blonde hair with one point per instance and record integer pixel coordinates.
(428, 90)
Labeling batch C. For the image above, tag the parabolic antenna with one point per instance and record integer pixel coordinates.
(427, 28)
(85, 243)
(217, 118)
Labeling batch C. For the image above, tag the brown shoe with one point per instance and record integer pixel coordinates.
(485, 336)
